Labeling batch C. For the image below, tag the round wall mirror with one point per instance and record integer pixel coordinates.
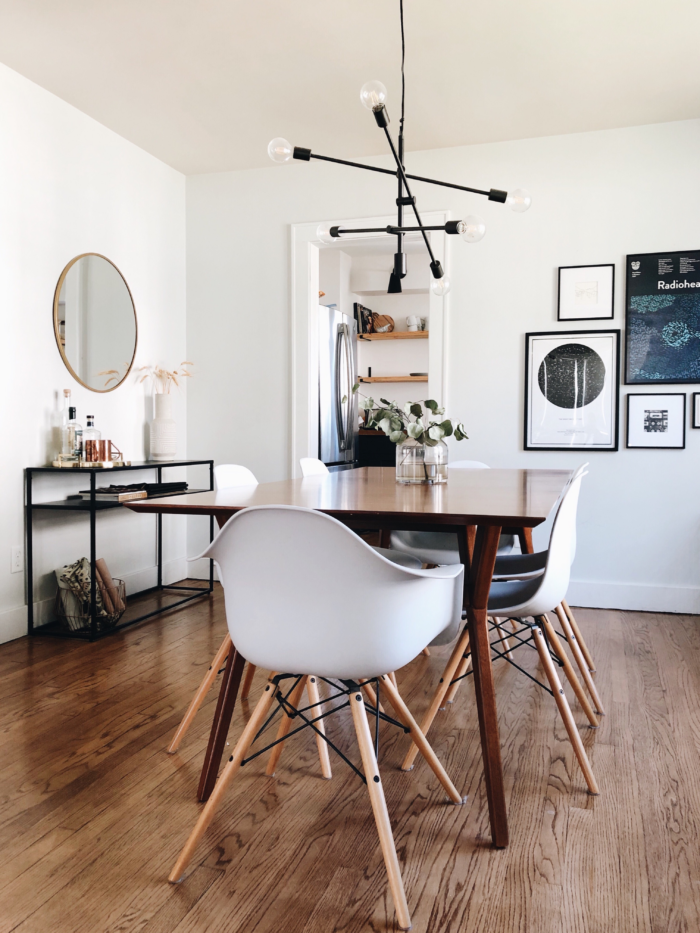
(94, 320)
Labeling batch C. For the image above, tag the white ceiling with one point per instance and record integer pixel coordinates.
(205, 84)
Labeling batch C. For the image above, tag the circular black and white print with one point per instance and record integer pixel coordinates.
(571, 376)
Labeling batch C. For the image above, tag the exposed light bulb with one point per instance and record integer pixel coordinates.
(440, 286)
(519, 200)
(323, 233)
(280, 150)
(373, 95)
(472, 229)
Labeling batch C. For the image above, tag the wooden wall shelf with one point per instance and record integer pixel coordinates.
(393, 378)
(397, 335)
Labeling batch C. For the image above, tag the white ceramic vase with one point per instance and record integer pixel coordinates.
(163, 430)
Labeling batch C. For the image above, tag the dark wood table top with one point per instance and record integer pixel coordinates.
(477, 497)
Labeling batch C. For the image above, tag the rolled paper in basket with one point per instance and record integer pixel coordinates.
(106, 598)
(102, 570)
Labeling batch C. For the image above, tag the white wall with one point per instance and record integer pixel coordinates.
(68, 186)
(597, 197)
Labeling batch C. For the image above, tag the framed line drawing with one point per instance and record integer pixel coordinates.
(656, 420)
(695, 410)
(586, 293)
(572, 390)
(662, 316)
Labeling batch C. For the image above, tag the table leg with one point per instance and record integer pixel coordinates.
(222, 720)
(477, 586)
(525, 538)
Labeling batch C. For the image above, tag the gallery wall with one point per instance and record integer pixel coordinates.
(596, 197)
(68, 185)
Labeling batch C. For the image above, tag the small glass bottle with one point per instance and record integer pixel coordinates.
(66, 446)
(90, 438)
(75, 435)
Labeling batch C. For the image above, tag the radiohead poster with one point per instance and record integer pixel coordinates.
(572, 390)
(662, 340)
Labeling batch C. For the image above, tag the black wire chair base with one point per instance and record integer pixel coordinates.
(284, 706)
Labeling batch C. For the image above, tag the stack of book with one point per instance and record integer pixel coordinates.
(134, 491)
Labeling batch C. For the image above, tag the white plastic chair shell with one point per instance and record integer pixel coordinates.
(228, 475)
(292, 604)
(311, 466)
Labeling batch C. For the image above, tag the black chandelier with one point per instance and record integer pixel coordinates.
(472, 229)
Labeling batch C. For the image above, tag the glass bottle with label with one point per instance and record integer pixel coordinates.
(66, 447)
(91, 436)
(73, 436)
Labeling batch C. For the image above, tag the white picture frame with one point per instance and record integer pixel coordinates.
(586, 293)
(572, 390)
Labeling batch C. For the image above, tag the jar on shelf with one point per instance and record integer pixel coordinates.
(419, 464)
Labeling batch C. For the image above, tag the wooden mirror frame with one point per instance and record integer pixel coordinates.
(57, 335)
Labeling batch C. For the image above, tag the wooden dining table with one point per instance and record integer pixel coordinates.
(474, 504)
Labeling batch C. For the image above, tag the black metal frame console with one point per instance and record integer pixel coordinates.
(92, 506)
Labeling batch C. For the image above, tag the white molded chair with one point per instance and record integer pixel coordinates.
(384, 626)
(312, 466)
(440, 547)
(534, 598)
(228, 475)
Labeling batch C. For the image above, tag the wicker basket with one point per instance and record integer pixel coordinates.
(70, 611)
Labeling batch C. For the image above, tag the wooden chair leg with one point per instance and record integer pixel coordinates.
(437, 701)
(200, 695)
(248, 681)
(426, 652)
(227, 775)
(464, 666)
(565, 711)
(372, 696)
(284, 727)
(579, 658)
(312, 690)
(381, 817)
(404, 714)
(392, 675)
(505, 640)
(557, 648)
(579, 637)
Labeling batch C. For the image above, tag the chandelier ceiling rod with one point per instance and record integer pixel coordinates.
(472, 229)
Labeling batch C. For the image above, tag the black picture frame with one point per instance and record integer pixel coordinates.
(601, 317)
(631, 275)
(695, 410)
(614, 384)
(655, 395)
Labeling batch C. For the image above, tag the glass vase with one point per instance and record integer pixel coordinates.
(421, 465)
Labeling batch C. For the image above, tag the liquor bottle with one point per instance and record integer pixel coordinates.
(67, 449)
(74, 439)
(91, 436)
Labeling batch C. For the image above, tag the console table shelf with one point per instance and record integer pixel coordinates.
(92, 506)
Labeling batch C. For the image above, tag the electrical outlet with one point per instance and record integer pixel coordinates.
(17, 559)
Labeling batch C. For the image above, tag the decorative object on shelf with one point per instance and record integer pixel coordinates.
(586, 293)
(382, 323)
(418, 430)
(662, 317)
(94, 322)
(364, 318)
(696, 410)
(73, 596)
(572, 390)
(655, 420)
(416, 375)
(373, 96)
(412, 323)
(163, 430)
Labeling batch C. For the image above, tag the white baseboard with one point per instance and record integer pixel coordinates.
(13, 622)
(644, 597)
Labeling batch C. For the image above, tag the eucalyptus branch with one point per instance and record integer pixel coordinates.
(417, 420)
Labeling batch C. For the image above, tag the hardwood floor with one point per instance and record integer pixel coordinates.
(93, 812)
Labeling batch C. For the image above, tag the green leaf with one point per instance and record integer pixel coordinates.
(407, 408)
(396, 424)
(415, 429)
(343, 400)
(397, 437)
(416, 409)
(355, 387)
(385, 402)
(436, 433)
(447, 427)
(385, 425)
(429, 442)
(460, 433)
(431, 404)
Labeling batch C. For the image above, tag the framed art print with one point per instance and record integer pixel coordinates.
(586, 293)
(695, 411)
(662, 311)
(572, 390)
(655, 420)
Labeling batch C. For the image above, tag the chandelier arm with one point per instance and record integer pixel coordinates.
(367, 168)
(402, 174)
(390, 229)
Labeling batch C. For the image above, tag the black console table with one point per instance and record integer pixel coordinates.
(92, 506)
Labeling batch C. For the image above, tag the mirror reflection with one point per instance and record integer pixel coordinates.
(95, 322)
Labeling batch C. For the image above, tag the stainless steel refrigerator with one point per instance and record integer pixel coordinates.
(337, 373)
